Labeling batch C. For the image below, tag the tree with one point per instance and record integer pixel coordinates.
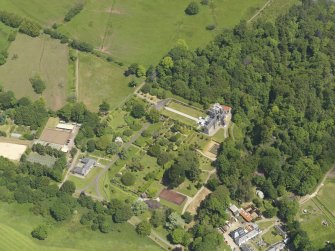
(154, 150)
(177, 236)
(104, 107)
(138, 110)
(30, 28)
(158, 218)
(68, 187)
(140, 71)
(40, 233)
(287, 209)
(139, 207)
(163, 158)
(167, 62)
(105, 226)
(192, 8)
(37, 84)
(128, 179)
(153, 116)
(143, 228)
(132, 83)
(173, 221)
(187, 216)
(122, 214)
(60, 211)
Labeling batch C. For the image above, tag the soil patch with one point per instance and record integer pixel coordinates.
(172, 196)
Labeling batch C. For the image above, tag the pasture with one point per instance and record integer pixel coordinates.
(101, 81)
(17, 221)
(45, 12)
(142, 31)
(30, 56)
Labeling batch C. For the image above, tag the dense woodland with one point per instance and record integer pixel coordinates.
(279, 80)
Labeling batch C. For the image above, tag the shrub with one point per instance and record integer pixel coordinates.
(143, 228)
(30, 28)
(82, 46)
(10, 19)
(192, 9)
(210, 27)
(75, 10)
(37, 84)
(128, 179)
(40, 233)
(11, 36)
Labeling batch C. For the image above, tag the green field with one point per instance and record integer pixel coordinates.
(187, 109)
(100, 80)
(142, 31)
(45, 12)
(275, 9)
(327, 195)
(17, 222)
(43, 56)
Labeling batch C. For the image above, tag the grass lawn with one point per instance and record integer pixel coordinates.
(187, 109)
(45, 12)
(4, 33)
(101, 81)
(265, 224)
(179, 118)
(205, 164)
(272, 236)
(219, 136)
(187, 188)
(82, 182)
(143, 31)
(312, 223)
(17, 222)
(43, 56)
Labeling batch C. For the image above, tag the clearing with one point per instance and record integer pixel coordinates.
(43, 56)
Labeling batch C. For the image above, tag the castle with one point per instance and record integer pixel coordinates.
(218, 116)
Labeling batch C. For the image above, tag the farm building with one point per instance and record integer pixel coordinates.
(218, 116)
(84, 167)
(61, 137)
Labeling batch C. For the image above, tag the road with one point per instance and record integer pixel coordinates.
(115, 158)
(74, 161)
